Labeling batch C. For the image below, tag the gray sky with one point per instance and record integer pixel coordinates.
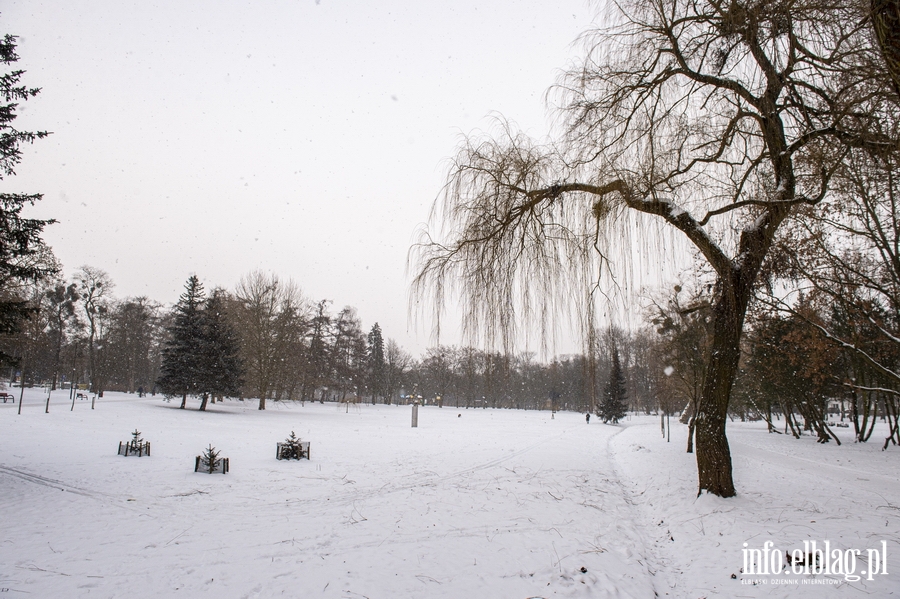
(303, 137)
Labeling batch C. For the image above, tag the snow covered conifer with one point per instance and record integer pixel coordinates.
(219, 367)
(20, 237)
(615, 398)
(182, 356)
(375, 343)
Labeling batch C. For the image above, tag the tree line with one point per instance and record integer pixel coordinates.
(828, 355)
(763, 133)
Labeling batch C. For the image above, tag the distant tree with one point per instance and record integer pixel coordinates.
(271, 317)
(683, 326)
(95, 288)
(348, 353)
(133, 332)
(20, 237)
(793, 366)
(397, 363)
(375, 346)
(220, 366)
(318, 360)
(615, 398)
(182, 355)
(438, 373)
(60, 302)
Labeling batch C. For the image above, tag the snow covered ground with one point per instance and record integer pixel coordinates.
(471, 504)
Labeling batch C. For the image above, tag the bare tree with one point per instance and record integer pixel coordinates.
(397, 362)
(271, 318)
(95, 288)
(134, 329)
(719, 119)
(60, 302)
(847, 258)
(683, 325)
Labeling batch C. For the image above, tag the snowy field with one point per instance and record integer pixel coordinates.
(471, 504)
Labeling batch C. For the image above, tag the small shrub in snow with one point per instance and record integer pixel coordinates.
(136, 446)
(210, 461)
(292, 448)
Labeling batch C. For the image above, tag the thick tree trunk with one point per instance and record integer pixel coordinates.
(204, 402)
(713, 453)
(183, 401)
(886, 24)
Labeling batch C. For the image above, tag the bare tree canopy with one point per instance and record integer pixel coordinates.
(720, 119)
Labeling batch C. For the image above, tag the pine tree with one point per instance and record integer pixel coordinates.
(319, 359)
(292, 448)
(376, 362)
(183, 355)
(615, 399)
(219, 368)
(20, 238)
(210, 459)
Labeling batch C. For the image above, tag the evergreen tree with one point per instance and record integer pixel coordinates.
(220, 368)
(615, 399)
(317, 356)
(376, 362)
(181, 369)
(20, 238)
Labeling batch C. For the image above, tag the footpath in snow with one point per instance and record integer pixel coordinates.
(472, 503)
(790, 492)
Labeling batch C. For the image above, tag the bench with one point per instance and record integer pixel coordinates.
(81, 396)
(8, 396)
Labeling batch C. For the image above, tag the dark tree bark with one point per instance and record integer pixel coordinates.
(886, 23)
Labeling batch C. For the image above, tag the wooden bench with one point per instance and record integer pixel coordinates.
(9, 396)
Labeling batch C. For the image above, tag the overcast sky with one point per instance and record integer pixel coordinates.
(303, 137)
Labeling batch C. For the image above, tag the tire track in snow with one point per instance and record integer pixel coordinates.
(54, 483)
(47, 482)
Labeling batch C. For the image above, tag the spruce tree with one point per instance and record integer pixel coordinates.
(615, 398)
(180, 373)
(20, 237)
(375, 344)
(220, 364)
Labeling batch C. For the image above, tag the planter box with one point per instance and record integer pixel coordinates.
(219, 465)
(139, 449)
(286, 451)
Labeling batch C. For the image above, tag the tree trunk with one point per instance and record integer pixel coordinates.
(22, 385)
(713, 454)
(183, 401)
(204, 402)
(691, 426)
(886, 23)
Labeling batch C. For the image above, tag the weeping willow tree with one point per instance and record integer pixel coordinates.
(717, 120)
